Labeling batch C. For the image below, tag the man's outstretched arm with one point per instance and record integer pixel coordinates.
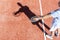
(46, 16)
(37, 18)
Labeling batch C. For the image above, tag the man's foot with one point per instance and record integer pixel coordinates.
(49, 36)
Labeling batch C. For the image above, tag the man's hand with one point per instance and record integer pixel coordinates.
(36, 18)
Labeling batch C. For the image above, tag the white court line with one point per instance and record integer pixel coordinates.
(41, 12)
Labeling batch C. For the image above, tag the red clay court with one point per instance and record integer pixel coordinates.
(20, 27)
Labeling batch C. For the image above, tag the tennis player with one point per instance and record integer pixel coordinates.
(55, 22)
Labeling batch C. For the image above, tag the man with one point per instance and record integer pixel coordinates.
(56, 21)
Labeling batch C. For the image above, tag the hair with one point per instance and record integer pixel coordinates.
(59, 3)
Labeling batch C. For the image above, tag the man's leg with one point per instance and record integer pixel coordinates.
(58, 32)
(52, 30)
(52, 34)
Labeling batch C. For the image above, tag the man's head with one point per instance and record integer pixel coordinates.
(59, 3)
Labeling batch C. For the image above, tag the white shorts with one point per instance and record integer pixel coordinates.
(54, 28)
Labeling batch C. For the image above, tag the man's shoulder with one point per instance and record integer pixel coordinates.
(54, 11)
(57, 10)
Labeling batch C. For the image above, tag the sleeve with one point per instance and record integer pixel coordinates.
(54, 14)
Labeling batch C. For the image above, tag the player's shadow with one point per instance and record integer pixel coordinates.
(30, 14)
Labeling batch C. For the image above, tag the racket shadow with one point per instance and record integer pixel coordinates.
(30, 14)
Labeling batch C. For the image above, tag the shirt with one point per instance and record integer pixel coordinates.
(56, 17)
